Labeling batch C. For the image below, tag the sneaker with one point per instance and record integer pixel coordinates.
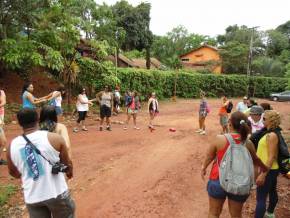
(108, 128)
(202, 132)
(84, 129)
(254, 187)
(137, 128)
(198, 131)
(3, 162)
(101, 128)
(125, 128)
(269, 215)
(75, 130)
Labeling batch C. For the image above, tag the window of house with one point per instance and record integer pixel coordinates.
(185, 59)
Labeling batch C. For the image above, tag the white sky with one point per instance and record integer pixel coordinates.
(211, 17)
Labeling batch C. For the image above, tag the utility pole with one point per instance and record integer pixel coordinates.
(250, 56)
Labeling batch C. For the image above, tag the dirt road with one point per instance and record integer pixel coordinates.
(136, 173)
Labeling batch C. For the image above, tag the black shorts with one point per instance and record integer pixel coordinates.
(105, 111)
(82, 116)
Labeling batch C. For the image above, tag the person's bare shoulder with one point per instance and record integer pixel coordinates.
(55, 140)
(220, 141)
(60, 127)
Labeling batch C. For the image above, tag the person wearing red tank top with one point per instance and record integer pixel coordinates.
(239, 130)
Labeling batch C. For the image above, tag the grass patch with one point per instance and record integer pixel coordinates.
(6, 191)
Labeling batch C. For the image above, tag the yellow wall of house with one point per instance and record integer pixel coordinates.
(202, 55)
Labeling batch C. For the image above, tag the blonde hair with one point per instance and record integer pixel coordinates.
(273, 118)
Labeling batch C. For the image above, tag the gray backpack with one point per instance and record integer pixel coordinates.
(236, 170)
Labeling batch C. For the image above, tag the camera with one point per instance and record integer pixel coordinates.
(59, 168)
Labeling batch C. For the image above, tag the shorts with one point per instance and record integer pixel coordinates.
(58, 110)
(202, 114)
(131, 111)
(82, 116)
(2, 119)
(61, 206)
(215, 190)
(105, 111)
(116, 103)
(224, 120)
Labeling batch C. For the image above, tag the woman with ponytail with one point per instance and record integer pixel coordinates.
(239, 131)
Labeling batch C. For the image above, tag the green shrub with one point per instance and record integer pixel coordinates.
(189, 84)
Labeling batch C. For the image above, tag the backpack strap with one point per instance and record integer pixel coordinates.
(35, 149)
(230, 138)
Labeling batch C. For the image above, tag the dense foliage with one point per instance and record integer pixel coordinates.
(46, 35)
(190, 84)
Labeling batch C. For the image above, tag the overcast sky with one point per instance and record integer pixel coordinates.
(211, 17)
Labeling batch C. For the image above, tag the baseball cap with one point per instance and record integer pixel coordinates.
(256, 110)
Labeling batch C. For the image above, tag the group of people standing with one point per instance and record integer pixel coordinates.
(43, 152)
(110, 103)
(257, 128)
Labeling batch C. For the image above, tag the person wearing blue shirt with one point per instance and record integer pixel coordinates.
(243, 105)
(28, 100)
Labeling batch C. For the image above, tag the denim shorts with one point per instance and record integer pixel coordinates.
(224, 120)
(58, 110)
(215, 190)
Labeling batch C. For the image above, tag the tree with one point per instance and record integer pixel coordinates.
(287, 74)
(266, 66)
(234, 57)
(135, 22)
(276, 43)
(177, 42)
(285, 29)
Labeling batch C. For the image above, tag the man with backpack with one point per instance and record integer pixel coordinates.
(40, 159)
(225, 109)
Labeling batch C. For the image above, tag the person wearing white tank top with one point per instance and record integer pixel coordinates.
(55, 99)
(105, 99)
(45, 194)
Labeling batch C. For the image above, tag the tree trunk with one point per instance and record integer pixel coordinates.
(148, 61)
(117, 56)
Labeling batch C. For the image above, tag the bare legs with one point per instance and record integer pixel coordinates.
(216, 206)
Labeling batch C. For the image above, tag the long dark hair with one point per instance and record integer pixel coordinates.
(48, 113)
(239, 123)
(61, 89)
(25, 87)
(81, 90)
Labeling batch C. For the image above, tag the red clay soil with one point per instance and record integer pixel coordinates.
(12, 84)
(142, 174)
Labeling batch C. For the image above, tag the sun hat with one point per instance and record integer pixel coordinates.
(256, 110)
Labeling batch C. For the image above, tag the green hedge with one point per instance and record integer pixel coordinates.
(189, 84)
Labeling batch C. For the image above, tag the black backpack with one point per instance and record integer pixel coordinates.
(283, 153)
(230, 107)
(255, 137)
